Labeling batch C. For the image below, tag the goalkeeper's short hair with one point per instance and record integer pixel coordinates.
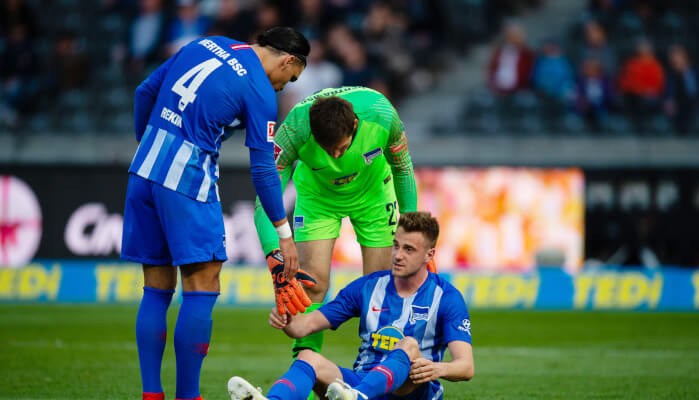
(420, 221)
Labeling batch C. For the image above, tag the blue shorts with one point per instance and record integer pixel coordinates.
(427, 391)
(164, 227)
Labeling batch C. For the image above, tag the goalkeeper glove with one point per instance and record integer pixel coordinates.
(289, 294)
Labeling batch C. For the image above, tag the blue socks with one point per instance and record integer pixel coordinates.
(387, 376)
(296, 384)
(192, 336)
(151, 333)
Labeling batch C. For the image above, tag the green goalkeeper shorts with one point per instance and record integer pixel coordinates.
(374, 216)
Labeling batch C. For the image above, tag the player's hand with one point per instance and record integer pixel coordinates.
(289, 294)
(290, 255)
(423, 370)
(277, 320)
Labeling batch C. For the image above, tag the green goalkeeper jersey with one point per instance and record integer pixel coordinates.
(378, 153)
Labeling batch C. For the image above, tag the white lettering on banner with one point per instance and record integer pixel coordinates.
(92, 231)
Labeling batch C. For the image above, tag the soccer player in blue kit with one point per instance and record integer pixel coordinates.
(408, 318)
(173, 215)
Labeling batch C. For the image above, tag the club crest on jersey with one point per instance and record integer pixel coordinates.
(370, 156)
(385, 339)
(270, 131)
(419, 313)
(465, 326)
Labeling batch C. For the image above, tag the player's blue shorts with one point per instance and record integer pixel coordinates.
(164, 227)
(428, 391)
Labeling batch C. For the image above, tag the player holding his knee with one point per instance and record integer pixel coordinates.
(408, 318)
(173, 212)
(353, 162)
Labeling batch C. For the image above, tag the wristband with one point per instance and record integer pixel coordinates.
(283, 231)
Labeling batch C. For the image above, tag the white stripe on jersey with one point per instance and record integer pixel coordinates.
(148, 163)
(174, 174)
(218, 195)
(405, 313)
(206, 183)
(431, 328)
(439, 393)
(372, 318)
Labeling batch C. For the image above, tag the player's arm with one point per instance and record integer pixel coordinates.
(145, 96)
(285, 157)
(260, 113)
(398, 158)
(300, 325)
(455, 323)
(460, 368)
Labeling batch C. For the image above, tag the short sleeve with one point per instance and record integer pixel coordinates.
(454, 318)
(346, 305)
(260, 120)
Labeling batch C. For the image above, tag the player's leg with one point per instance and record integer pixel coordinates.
(151, 325)
(310, 371)
(200, 288)
(315, 257)
(195, 236)
(386, 377)
(316, 227)
(143, 241)
(375, 226)
(375, 259)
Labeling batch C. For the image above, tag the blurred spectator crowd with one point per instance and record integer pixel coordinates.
(70, 65)
(626, 66)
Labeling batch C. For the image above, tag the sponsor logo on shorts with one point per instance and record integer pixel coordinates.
(465, 326)
(419, 313)
(370, 156)
(270, 131)
(385, 339)
(298, 221)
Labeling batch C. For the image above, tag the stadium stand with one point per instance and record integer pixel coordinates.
(71, 66)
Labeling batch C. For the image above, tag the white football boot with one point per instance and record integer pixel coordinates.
(342, 391)
(240, 389)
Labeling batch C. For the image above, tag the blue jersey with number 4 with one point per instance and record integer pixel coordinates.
(183, 107)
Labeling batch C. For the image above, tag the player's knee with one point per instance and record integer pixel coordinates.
(311, 357)
(410, 346)
(319, 290)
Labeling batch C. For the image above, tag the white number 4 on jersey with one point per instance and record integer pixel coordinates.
(189, 93)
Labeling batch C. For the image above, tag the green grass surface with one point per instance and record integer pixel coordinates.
(89, 352)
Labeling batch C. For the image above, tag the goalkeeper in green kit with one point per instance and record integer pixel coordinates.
(353, 161)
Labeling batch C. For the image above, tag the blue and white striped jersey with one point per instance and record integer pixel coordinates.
(182, 108)
(434, 315)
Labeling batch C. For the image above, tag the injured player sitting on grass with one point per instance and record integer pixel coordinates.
(408, 316)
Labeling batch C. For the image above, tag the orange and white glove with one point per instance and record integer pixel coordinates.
(289, 294)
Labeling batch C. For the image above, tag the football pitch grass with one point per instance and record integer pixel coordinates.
(89, 352)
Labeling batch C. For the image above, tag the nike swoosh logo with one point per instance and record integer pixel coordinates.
(317, 169)
(378, 309)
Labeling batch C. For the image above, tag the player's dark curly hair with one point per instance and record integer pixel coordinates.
(420, 221)
(286, 39)
(332, 119)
